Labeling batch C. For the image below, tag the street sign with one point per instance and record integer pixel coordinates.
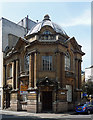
(23, 89)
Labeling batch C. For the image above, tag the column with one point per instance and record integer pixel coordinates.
(4, 84)
(35, 69)
(58, 67)
(7, 72)
(32, 92)
(63, 70)
(22, 63)
(76, 69)
(13, 75)
(79, 74)
(16, 74)
(15, 103)
(31, 76)
(5, 68)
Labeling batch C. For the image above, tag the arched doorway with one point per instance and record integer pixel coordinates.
(46, 90)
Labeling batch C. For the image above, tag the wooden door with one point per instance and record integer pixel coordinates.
(7, 100)
(47, 101)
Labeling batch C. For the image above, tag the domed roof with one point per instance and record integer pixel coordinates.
(48, 22)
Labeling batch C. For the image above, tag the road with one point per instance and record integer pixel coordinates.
(11, 115)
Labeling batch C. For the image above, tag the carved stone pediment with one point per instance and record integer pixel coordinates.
(47, 82)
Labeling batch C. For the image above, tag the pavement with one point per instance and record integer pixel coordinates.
(21, 115)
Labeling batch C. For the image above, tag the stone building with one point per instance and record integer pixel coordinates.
(89, 74)
(9, 34)
(42, 72)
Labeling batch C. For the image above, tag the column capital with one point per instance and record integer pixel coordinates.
(60, 52)
(16, 59)
(33, 51)
(78, 59)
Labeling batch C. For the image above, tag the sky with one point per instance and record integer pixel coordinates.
(73, 17)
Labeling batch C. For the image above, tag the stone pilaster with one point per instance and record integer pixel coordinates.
(63, 70)
(76, 69)
(7, 72)
(58, 67)
(4, 91)
(5, 77)
(13, 75)
(15, 103)
(22, 63)
(31, 71)
(32, 91)
(32, 101)
(16, 74)
(79, 74)
(35, 69)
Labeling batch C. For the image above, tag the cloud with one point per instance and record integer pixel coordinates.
(84, 19)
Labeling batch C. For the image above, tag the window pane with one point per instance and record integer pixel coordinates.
(46, 32)
(69, 93)
(47, 62)
(67, 62)
(26, 62)
(10, 71)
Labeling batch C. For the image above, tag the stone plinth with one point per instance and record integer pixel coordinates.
(59, 106)
(62, 106)
(54, 106)
(32, 101)
(39, 107)
(15, 103)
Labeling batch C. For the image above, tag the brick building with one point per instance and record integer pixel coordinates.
(42, 72)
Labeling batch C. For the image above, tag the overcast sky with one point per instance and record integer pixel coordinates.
(74, 18)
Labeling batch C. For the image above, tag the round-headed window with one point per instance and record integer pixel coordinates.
(67, 61)
(47, 32)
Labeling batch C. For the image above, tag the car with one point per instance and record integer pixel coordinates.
(84, 108)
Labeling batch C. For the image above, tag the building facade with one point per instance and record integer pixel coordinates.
(42, 72)
(89, 74)
(9, 34)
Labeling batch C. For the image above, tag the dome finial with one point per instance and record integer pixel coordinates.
(46, 17)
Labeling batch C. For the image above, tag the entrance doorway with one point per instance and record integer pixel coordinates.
(47, 101)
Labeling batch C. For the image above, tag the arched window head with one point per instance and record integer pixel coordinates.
(46, 32)
(67, 61)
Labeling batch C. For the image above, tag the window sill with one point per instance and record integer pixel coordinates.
(47, 71)
(23, 102)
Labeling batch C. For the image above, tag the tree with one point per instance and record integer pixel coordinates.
(88, 87)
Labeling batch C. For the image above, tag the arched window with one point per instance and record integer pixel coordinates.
(67, 61)
(46, 32)
(10, 70)
(26, 62)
